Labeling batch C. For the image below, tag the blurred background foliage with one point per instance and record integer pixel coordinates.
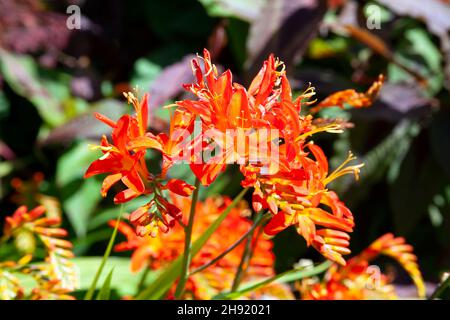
(52, 79)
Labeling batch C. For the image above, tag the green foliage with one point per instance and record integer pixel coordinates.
(80, 197)
(105, 290)
(90, 292)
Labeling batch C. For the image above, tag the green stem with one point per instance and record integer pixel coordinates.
(187, 244)
(246, 255)
(93, 286)
(143, 278)
(440, 289)
(164, 281)
(231, 248)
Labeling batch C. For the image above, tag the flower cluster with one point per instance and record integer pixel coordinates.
(290, 174)
(359, 280)
(294, 185)
(155, 253)
(57, 276)
(124, 160)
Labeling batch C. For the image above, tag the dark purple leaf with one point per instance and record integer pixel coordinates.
(285, 28)
(86, 126)
(6, 152)
(168, 84)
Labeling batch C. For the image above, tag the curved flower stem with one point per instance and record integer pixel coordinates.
(231, 248)
(182, 224)
(440, 289)
(187, 243)
(246, 256)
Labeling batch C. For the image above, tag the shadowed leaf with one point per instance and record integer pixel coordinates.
(284, 28)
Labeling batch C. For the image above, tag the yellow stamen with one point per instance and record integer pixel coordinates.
(331, 128)
(97, 147)
(342, 170)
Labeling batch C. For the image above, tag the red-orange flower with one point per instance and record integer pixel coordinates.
(290, 178)
(298, 188)
(292, 184)
(56, 276)
(118, 160)
(359, 280)
(124, 160)
(352, 98)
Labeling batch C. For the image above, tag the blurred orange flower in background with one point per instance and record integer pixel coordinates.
(155, 253)
(361, 281)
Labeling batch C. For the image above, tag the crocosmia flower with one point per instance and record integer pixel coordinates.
(291, 178)
(360, 280)
(124, 160)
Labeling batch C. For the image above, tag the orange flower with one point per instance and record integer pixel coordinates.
(359, 280)
(223, 106)
(118, 161)
(352, 98)
(295, 182)
(299, 190)
(124, 160)
(157, 252)
(33, 220)
(290, 179)
(55, 277)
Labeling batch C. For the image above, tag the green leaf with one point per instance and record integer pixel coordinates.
(384, 159)
(418, 52)
(93, 286)
(5, 106)
(105, 290)
(5, 168)
(80, 197)
(124, 281)
(288, 276)
(237, 31)
(245, 10)
(81, 204)
(163, 283)
(441, 288)
(72, 164)
(145, 71)
(21, 74)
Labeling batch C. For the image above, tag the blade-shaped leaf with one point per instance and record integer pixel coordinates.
(93, 286)
(105, 290)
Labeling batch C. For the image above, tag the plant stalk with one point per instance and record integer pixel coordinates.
(187, 244)
(228, 250)
(246, 255)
